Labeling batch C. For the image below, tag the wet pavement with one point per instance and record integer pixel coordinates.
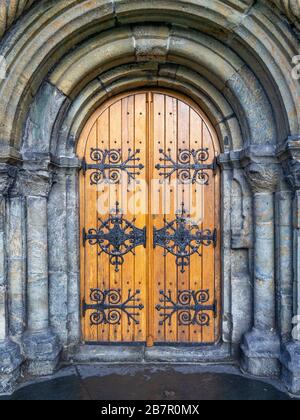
(149, 383)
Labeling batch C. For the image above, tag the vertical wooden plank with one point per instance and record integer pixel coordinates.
(196, 191)
(151, 176)
(209, 222)
(183, 197)
(91, 252)
(115, 143)
(83, 279)
(158, 218)
(171, 191)
(128, 272)
(217, 280)
(141, 277)
(217, 250)
(103, 214)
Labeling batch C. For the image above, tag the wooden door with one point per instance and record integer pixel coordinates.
(150, 233)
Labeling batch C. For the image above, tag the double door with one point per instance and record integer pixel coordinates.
(149, 210)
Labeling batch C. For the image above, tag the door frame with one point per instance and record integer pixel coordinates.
(218, 263)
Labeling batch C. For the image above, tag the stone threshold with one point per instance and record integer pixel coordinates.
(157, 354)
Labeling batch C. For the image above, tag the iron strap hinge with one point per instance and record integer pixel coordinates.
(215, 166)
(191, 166)
(190, 306)
(183, 239)
(116, 237)
(108, 166)
(108, 306)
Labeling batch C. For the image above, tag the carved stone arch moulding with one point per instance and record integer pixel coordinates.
(70, 73)
(159, 43)
(12, 10)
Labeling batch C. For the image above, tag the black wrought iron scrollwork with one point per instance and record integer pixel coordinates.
(190, 306)
(109, 166)
(183, 239)
(116, 237)
(191, 166)
(109, 308)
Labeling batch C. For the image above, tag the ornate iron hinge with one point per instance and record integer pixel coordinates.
(183, 239)
(190, 306)
(109, 307)
(116, 237)
(109, 166)
(191, 166)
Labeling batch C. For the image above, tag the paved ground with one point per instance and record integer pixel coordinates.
(149, 383)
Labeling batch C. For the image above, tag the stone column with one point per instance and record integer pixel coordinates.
(10, 357)
(74, 320)
(290, 356)
(41, 345)
(237, 249)
(284, 259)
(64, 251)
(261, 346)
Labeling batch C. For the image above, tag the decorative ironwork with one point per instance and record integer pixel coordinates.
(183, 239)
(109, 166)
(190, 167)
(190, 306)
(116, 237)
(109, 307)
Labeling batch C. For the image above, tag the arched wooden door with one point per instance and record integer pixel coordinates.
(150, 228)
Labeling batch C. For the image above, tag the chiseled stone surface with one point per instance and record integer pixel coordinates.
(64, 61)
(10, 361)
(291, 8)
(261, 346)
(42, 352)
(10, 11)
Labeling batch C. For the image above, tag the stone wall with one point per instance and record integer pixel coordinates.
(64, 59)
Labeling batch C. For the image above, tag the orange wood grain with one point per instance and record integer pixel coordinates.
(150, 120)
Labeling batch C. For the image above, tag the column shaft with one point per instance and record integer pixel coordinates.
(284, 256)
(37, 245)
(16, 265)
(264, 260)
(41, 345)
(296, 320)
(10, 355)
(3, 287)
(261, 346)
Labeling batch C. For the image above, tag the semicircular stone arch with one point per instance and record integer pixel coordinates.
(225, 22)
(222, 69)
(126, 77)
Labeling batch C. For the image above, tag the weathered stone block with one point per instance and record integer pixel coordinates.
(260, 353)
(42, 351)
(290, 359)
(10, 362)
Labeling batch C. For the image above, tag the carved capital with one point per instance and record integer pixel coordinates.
(7, 178)
(291, 169)
(263, 178)
(35, 184)
(289, 155)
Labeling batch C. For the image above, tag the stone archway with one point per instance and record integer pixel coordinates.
(237, 68)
